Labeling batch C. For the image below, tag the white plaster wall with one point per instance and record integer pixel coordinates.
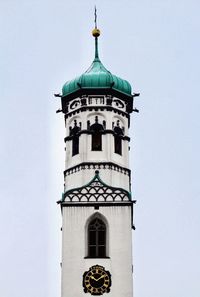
(87, 155)
(119, 250)
(107, 154)
(110, 177)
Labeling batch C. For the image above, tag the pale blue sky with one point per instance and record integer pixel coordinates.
(155, 46)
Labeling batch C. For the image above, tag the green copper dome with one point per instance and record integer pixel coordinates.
(97, 77)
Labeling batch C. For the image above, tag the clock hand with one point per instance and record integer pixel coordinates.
(100, 277)
(97, 279)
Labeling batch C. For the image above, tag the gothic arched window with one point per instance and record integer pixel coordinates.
(97, 239)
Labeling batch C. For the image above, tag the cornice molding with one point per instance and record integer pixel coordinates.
(97, 166)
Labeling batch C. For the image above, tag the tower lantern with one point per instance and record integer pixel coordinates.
(97, 208)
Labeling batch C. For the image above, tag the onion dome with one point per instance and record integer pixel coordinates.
(97, 77)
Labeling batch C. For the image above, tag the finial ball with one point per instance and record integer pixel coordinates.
(96, 32)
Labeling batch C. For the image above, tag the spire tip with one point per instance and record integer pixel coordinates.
(95, 31)
(96, 34)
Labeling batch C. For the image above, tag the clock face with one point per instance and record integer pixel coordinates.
(97, 280)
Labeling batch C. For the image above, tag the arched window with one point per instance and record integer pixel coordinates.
(118, 133)
(97, 239)
(118, 144)
(75, 145)
(96, 141)
(97, 130)
(74, 132)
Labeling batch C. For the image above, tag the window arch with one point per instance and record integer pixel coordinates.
(96, 238)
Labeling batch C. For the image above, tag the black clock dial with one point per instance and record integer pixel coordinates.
(97, 280)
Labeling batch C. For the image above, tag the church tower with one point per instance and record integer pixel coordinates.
(97, 208)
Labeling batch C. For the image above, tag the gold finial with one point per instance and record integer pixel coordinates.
(95, 31)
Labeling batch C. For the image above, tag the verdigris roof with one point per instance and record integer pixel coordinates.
(97, 77)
